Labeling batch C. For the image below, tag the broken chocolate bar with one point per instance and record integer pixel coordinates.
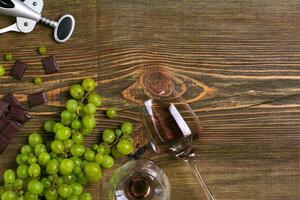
(18, 114)
(3, 107)
(37, 98)
(10, 130)
(3, 123)
(19, 70)
(3, 143)
(50, 65)
(12, 101)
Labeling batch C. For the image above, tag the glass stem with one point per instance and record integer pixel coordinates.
(191, 161)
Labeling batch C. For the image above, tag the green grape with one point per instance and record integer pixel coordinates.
(26, 149)
(95, 147)
(89, 84)
(20, 197)
(108, 136)
(18, 184)
(9, 176)
(31, 159)
(68, 143)
(35, 187)
(2, 189)
(22, 171)
(24, 157)
(107, 150)
(95, 99)
(19, 159)
(99, 158)
(51, 194)
(57, 126)
(2, 70)
(52, 166)
(77, 91)
(93, 171)
(8, 195)
(59, 159)
(68, 179)
(46, 183)
(89, 155)
(76, 188)
(63, 133)
(107, 162)
(118, 133)
(37, 81)
(77, 170)
(72, 105)
(65, 190)
(81, 179)
(101, 149)
(86, 132)
(111, 113)
(42, 50)
(39, 148)
(29, 196)
(85, 196)
(34, 170)
(76, 124)
(66, 166)
(124, 147)
(116, 154)
(57, 146)
(78, 138)
(66, 117)
(76, 161)
(43, 158)
(35, 139)
(9, 57)
(127, 128)
(77, 150)
(89, 109)
(49, 125)
(88, 122)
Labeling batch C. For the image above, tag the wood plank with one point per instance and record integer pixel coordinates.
(237, 64)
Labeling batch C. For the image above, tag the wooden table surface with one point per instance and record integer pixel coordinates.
(236, 62)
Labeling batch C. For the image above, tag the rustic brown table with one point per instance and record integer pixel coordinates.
(238, 64)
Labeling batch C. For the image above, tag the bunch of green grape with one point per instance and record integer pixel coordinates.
(59, 169)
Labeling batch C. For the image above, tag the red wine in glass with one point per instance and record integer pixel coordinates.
(172, 126)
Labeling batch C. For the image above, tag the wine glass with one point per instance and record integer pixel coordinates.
(171, 124)
(139, 179)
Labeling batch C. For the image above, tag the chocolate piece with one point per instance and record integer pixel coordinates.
(12, 101)
(37, 98)
(19, 70)
(3, 107)
(10, 130)
(3, 123)
(3, 143)
(50, 65)
(18, 114)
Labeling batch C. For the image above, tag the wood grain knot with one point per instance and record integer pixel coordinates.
(155, 82)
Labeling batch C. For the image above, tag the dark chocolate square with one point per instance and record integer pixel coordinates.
(11, 130)
(18, 114)
(19, 70)
(3, 143)
(3, 107)
(12, 101)
(50, 65)
(37, 98)
(3, 123)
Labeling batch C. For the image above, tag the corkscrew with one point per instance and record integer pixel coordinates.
(28, 13)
